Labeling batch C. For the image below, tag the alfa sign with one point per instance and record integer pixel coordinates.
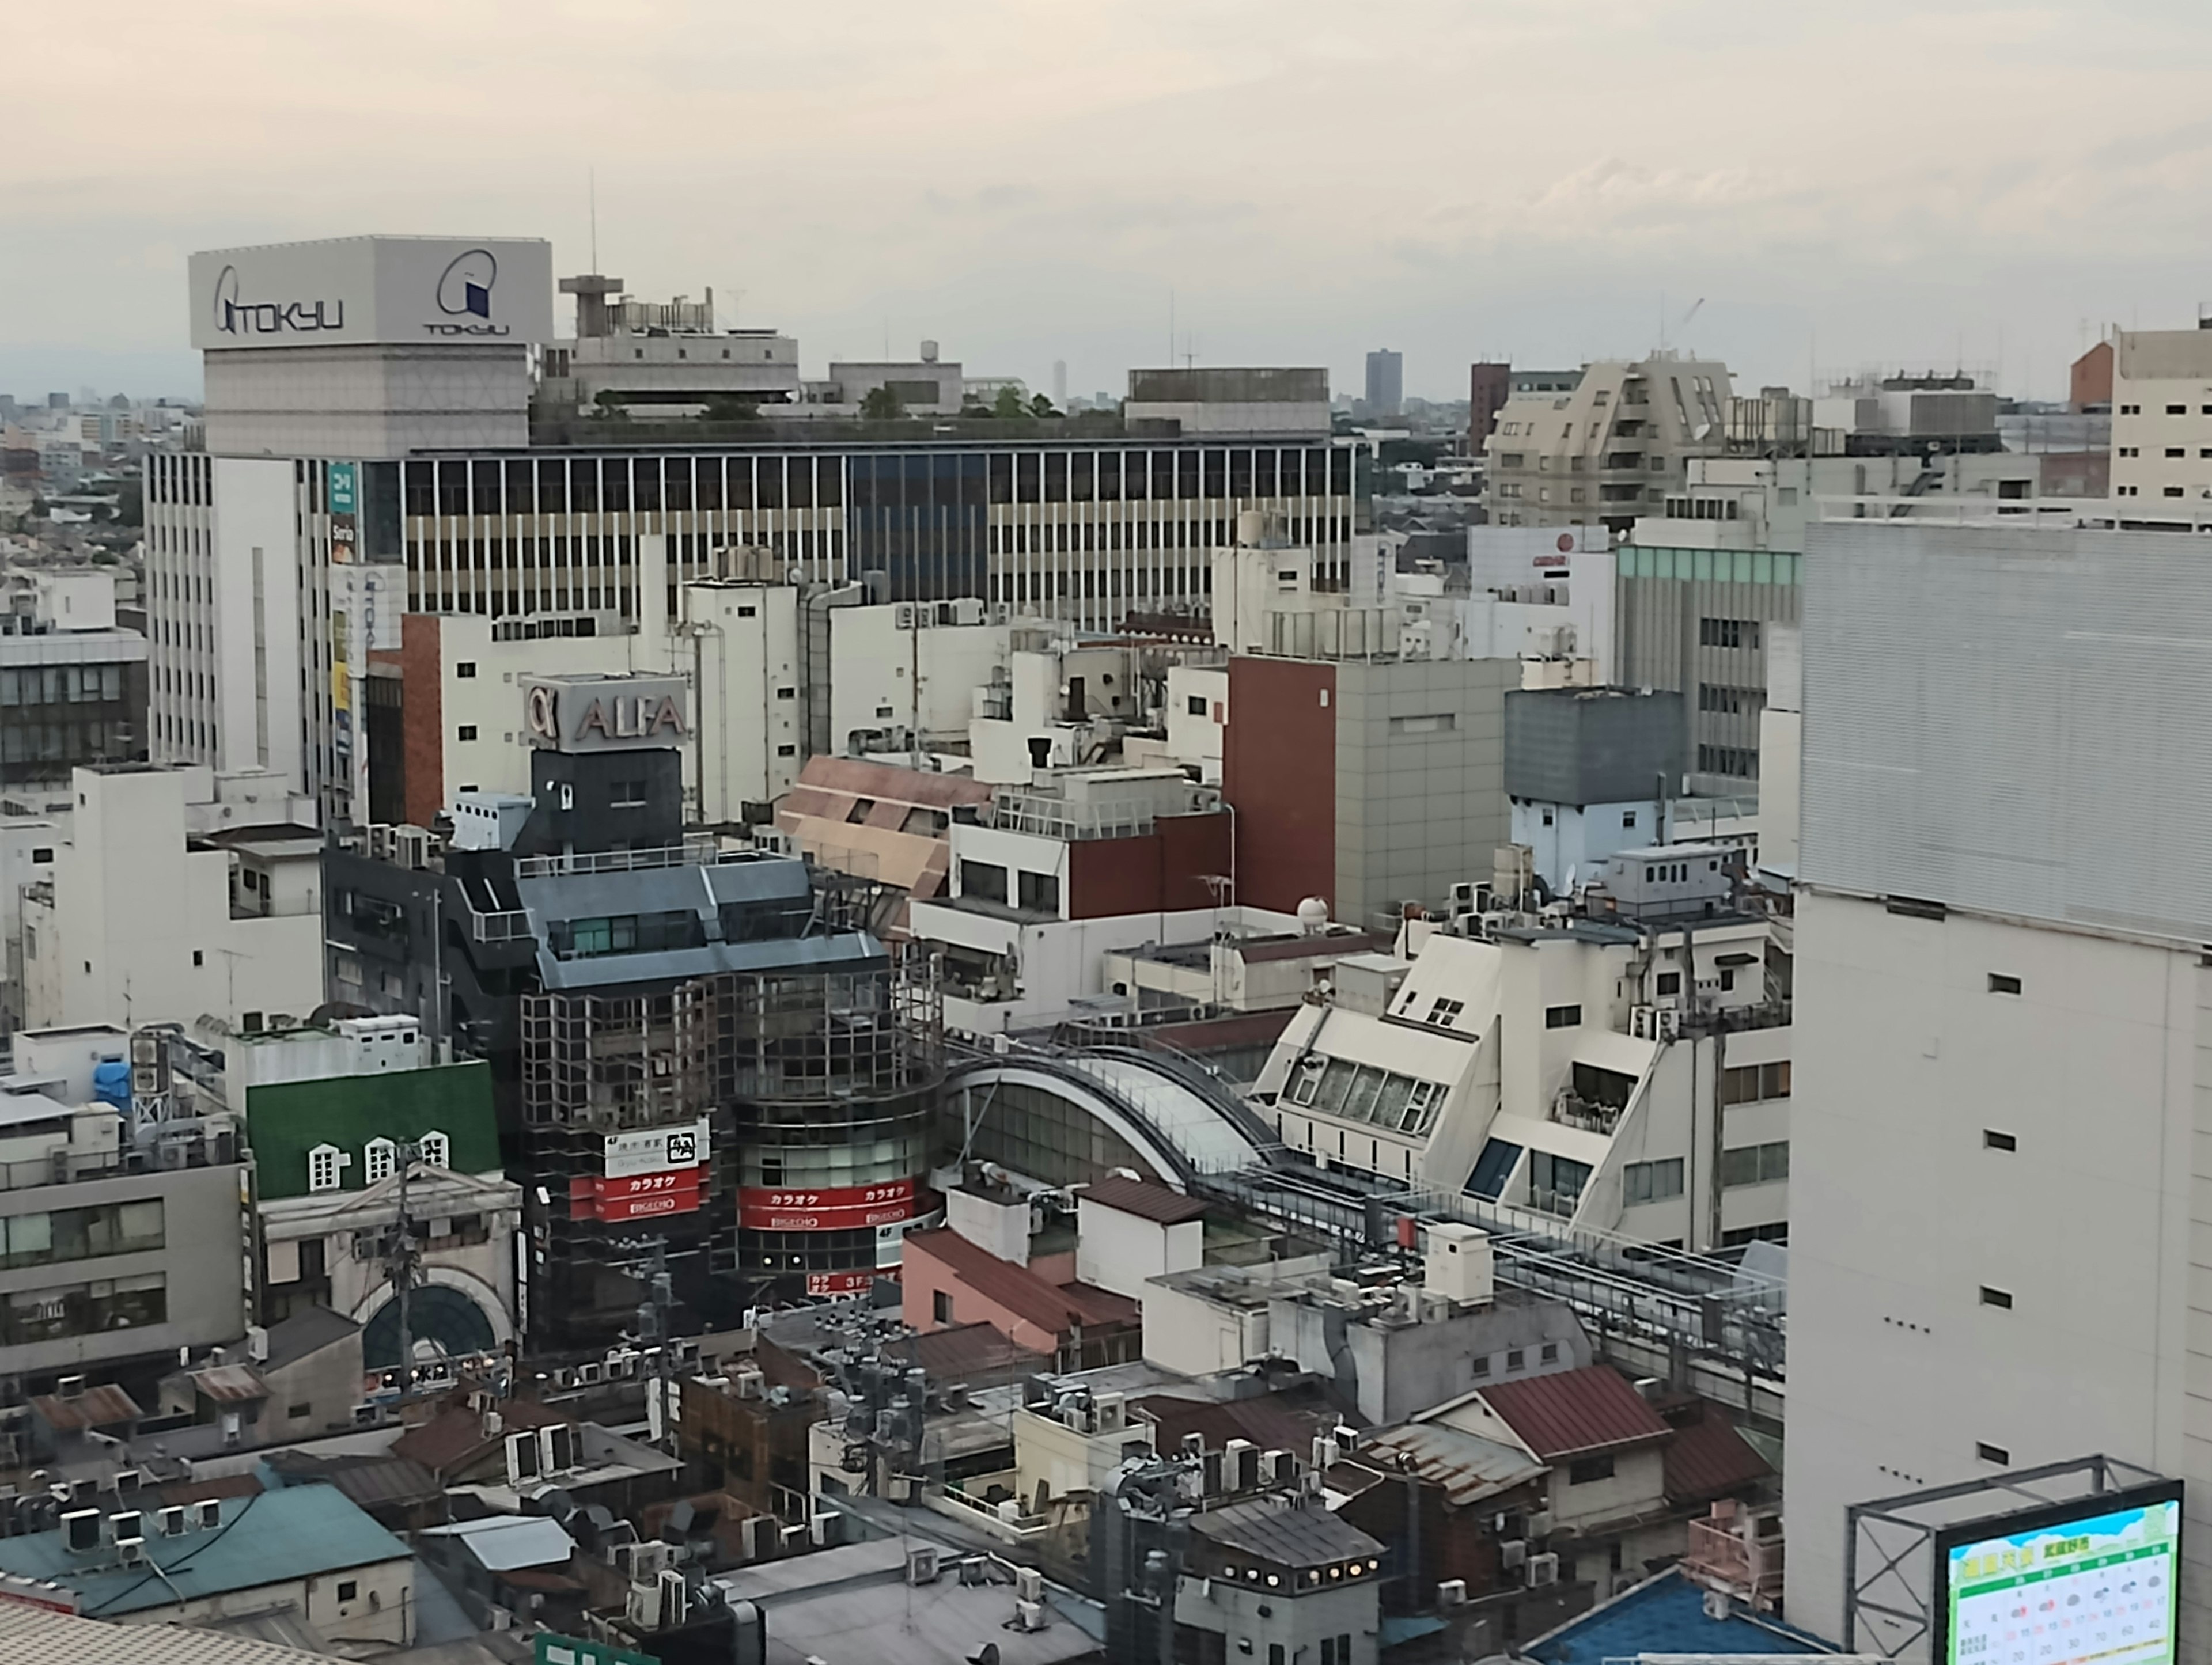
(605, 713)
(656, 1150)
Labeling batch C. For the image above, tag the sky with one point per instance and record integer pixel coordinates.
(1795, 188)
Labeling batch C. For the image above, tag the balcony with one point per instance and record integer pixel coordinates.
(1572, 1110)
(1739, 1552)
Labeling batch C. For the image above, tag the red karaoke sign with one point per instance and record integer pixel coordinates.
(763, 1208)
(635, 1196)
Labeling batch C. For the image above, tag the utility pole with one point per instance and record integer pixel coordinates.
(402, 1264)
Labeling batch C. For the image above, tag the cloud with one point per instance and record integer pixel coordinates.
(1029, 178)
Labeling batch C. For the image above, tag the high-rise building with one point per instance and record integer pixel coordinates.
(2003, 1094)
(1386, 382)
(370, 411)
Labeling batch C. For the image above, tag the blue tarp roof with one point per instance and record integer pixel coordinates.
(1666, 1615)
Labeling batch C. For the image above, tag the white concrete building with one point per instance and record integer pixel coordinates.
(2162, 415)
(147, 921)
(1627, 1072)
(2004, 1096)
(904, 674)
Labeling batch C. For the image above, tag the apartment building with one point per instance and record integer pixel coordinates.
(2162, 395)
(1608, 449)
(1624, 1068)
(2000, 1097)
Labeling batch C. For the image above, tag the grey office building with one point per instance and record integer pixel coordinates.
(1386, 382)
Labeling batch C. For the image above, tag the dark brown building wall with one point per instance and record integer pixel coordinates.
(1488, 387)
(2091, 379)
(1279, 769)
(422, 718)
(1165, 869)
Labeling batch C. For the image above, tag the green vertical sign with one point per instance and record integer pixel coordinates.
(344, 483)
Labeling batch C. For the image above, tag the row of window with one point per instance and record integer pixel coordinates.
(1555, 1182)
(2136, 492)
(1730, 702)
(1651, 1182)
(88, 1308)
(2171, 451)
(1728, 633)
(1365, 1092)
(327, 1163)
(935, 479)
(1755, 1164)
(1741, 762)
(61, 684)
(1033, 893)
(2171, 411)
(80, 1234)
(1749, 1084)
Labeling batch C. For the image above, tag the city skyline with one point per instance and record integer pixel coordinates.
(1942, 222)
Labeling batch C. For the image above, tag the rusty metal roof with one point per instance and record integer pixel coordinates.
(230, 1384)
(1466, 1466)
(1150, 1202)
(102, 1406)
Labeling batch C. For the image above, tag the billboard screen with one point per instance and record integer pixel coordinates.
(394, 291)
(2093, 1580)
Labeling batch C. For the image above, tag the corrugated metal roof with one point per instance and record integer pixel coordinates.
(102, 1406)
(1291, 1537)
(1285, 1420)
(1592, 1409)
(1466, 1466)
(230, 1384)
(30, 1637)
(966, 1352)
(502, 1543)
(1707, 1458)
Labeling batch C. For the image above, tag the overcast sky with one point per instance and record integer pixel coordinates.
(1549, 181)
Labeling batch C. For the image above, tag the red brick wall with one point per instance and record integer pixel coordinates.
(422, 718)
(1278, 769)
(1489, 385)
(1165, 869)
(2091, 381)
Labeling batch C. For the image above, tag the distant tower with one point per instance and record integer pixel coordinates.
(1059, 383)
(1386, 382)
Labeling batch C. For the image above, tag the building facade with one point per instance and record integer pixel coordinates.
(2005, 889)
(1609, 447)
(2162, 397)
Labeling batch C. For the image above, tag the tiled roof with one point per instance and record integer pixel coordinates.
(1150, 1202)
(1592, 1409)
(230, 1384)
(30, 1637)
(96, 1407)
(1292, 1536)
(1054, 1308)
(1665, 1615)
(853, 777)
(1707, 1458)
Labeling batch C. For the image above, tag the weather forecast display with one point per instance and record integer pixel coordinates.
(2098, 1589)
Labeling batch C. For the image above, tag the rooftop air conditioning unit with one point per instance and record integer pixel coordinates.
(1028, 1584)
(1543, 1570)
(1513, 1554)
(1029, 1616)
(921, 1564)
(1452, 1593)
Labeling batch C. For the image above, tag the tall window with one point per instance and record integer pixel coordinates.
(383, 1156)
(437, 1150)
(325, 1163)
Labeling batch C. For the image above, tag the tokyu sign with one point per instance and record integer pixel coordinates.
(363, 291)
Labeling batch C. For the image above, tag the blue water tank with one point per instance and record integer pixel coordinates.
(111, 1084)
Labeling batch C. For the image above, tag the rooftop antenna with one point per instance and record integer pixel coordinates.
(592, 176)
